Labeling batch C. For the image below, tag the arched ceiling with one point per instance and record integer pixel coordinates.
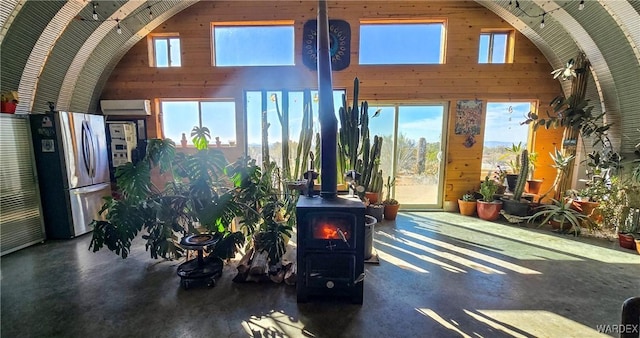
(50, 55)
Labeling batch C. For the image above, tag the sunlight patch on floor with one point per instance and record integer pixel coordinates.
(559, 247)
(451, 257)
(424, 258)
(472, 253)
(515, 323)
(275, 324)
(541, 323)
(453, 326)
(399, 262)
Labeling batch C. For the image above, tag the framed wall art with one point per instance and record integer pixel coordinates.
(468, 117)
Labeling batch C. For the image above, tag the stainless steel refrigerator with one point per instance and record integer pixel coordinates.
(73, 170)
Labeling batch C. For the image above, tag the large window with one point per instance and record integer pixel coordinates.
(389, 43)
(269, 106)
(179, 117)
(253, 44)
(502, 131)
(166, 50)
(412, 148)
(494, 47)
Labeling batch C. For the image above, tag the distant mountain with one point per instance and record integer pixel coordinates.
(493, 144)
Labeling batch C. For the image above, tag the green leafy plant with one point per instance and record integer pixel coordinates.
(196, 199)
(468, 197)
(268, 214)
(513, 153)
(561, 162)
(391, 182)
(562, 213)
(488, 189)
(533, 162)
(598, 190)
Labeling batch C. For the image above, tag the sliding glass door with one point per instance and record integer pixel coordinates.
(412, 151)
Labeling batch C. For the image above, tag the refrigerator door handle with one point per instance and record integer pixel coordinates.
(92, 161)
(92, 188)
(85, 148)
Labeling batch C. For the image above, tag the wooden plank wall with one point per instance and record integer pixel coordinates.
(461, 77)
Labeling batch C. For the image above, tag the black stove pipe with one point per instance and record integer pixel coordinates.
(328, 121)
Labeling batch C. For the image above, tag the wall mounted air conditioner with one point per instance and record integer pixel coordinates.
(126, 107)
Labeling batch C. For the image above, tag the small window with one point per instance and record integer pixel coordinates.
(389, 43)
(494, 47)
(502, 131)
(179, 117)
(166, 51)
(253, 45)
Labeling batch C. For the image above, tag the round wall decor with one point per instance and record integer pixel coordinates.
(339, 44)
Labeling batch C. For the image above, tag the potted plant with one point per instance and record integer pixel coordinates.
(195, 200)
(391, 205)
(516, 205)
(514, 152)
(628, 228)
(533, 185)
(467, 204)
(590, 197)
(561, 162)
(488, 208)
(500, 176)
(9, 101)
(267, 214)
(561, 216)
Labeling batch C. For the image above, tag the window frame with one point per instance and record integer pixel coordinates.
(265, 23)
(509, 48)
(531, 136)
(443, 37)
(151, 47)
(199, 120)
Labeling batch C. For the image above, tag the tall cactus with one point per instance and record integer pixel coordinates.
(522, 176)
(355, 149)
(306, 136)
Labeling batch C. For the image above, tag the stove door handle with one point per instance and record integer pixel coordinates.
(343, 237)
(359, 279)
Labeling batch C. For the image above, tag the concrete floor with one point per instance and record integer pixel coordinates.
(441, 275)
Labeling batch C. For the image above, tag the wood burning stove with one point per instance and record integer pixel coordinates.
(330, 228)
(330, 247)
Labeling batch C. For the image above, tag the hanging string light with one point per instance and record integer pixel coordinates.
(96, 18)
(523, 12)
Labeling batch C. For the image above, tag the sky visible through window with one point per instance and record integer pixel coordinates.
(167, 52)
(499, 52)
(254, 45)
(414, 122)
(296, 109)
(502, 124)
(181, 116)
(401, 43)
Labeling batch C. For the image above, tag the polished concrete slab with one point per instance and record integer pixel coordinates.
(440, 275)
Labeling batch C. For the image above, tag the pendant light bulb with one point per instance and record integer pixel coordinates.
(95, 14)
(510, 4)
(542, 22)
(581, 5)
(150, 12)
(119, 30)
